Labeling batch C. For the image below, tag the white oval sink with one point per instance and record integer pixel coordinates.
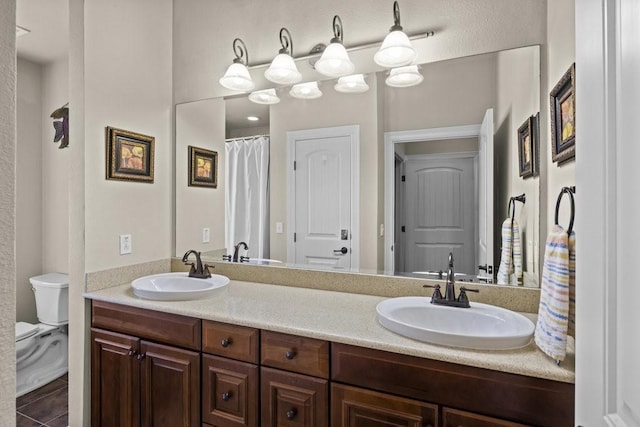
(177, 286)
(480, 327)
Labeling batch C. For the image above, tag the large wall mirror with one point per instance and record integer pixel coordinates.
(416, 186)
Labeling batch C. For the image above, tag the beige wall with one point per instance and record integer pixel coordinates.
(453, 93)
(128, 81)
(463, 145)
(55, 171)
(29, 179)
(516, 102)
(332, 109)
(7, 212)
(200, 124)
(560, 56)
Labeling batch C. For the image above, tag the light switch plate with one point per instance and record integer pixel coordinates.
(279, 228)
(206, 235)
(125, 244)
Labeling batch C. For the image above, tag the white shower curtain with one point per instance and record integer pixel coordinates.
(247, 194)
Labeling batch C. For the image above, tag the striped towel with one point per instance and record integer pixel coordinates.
(510, 270)
(556, 293)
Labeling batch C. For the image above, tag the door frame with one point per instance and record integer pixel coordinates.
(400, 137)
(353, 133)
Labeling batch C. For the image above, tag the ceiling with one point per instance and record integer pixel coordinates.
(48, 22)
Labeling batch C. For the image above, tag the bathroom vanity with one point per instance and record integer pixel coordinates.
(270, 355)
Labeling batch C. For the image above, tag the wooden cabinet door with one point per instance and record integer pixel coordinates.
(115, 375)
(170, 386)
(456, 418)
(356, 407)
(293, 400)
(229, 392)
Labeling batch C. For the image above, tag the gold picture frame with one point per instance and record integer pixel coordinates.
(130, 156)
(203, 167)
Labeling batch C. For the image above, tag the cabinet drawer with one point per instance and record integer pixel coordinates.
(229, 392)
(235, 342)
(166, 328)
(356, 407)
(298, 354)
(293, 400)
(530, 400)
(456, 418)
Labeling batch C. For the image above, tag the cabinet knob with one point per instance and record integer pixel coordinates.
(226, 396)
(226, 342)
(140, 356)
(291, 413)
(290, 354)
(131, 353)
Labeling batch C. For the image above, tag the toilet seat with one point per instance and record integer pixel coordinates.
(25, 330)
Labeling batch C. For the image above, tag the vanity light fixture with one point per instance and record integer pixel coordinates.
(237, 76)
(404, 76)
(266, 96)
(307, 90)
(352, 84)
(335, 61)
(396, 49)
(283, 69)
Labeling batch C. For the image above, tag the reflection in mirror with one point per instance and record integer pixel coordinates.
(454, 93)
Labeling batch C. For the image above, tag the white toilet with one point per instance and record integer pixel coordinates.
(42, 349)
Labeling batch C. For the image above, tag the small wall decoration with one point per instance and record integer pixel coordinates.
(528, 147)
(129, 155)
(61, 125)
(563, 117)
(203, 167)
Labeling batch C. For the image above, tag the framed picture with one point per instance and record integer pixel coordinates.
(528, 147)
(203, 167)
(563, 117)
(129, 155)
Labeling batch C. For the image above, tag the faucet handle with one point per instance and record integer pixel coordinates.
(462, 297)
(437, 295)
(205, 271)
(226, 257)
(244, 259)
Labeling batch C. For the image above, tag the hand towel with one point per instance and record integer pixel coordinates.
(510, 270)
(558, 276)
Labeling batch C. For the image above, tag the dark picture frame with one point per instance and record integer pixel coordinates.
(563, 117)
(130, 156)
(528, 147)
(203, 167)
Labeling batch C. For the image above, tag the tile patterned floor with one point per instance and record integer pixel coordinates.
(44, 407)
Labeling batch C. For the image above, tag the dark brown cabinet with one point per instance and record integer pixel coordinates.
(153, 368)
(136, 382)
(356, 407)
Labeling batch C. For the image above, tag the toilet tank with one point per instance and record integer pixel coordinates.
(52, 298)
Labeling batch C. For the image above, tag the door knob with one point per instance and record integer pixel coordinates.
(341, 251)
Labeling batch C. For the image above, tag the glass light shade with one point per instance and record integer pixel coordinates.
(283, 70)
(237, 78)
(308, 90)
(266, 96)
(396, 51)
(352, 84)
(404, 76)
(335, 61)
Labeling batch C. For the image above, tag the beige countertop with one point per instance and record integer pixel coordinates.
(339, 317)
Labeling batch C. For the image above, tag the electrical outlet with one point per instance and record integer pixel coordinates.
(125, 244)
(279, 228)
(206, 235)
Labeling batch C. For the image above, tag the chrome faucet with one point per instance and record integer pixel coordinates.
(237, 249)
(199, 270)
(450, 290)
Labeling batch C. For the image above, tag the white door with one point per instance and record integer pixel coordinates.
(439, 214)
(485, 197)
(323, 208)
